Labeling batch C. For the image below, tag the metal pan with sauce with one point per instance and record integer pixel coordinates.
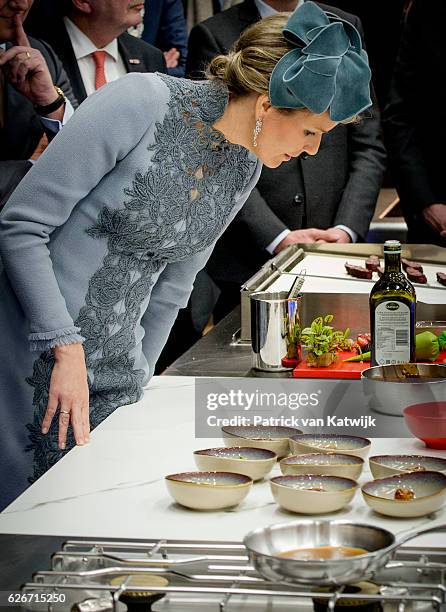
(273, 551)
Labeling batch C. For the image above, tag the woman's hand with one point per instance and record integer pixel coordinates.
(69, 392)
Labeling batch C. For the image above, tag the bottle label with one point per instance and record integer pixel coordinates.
(392, 332)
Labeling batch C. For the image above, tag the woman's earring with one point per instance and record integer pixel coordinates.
(256, 131)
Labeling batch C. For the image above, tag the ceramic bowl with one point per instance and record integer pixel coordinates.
(382, 466)
(254, 462)
(208, 490)
(330, 443)
(428, 489)
(328, 464)
(272, 438)
(389, 389)
(428, 423)
(312, 494)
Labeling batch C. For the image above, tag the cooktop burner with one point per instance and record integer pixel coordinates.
(166, 575)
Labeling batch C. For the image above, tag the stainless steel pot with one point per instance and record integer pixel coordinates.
(265, 544)
(269, 330)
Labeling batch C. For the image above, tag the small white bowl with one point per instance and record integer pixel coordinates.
(429, 490)
(273, 438)
(312, 494)
(382, 466)
(208, 490)
(254, 462)
(330, 443)
(328, 464)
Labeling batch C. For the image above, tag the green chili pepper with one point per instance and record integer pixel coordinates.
(361, 357)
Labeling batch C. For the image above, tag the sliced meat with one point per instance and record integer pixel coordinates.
(416, 276)
(411, 264)
(372, 263)
(441, 278)
(357, 271)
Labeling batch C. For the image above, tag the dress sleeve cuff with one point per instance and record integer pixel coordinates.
(48, 340)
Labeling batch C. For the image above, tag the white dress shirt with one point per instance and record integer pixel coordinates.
(265, 10)
(83, 48)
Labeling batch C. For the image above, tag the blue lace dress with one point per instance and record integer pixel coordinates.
(101, 243)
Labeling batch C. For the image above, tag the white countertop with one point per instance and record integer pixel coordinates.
(316, 266)
(114, 486)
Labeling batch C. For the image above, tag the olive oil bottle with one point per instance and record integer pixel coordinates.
(392, 312)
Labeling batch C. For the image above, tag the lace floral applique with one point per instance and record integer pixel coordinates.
(178, 207)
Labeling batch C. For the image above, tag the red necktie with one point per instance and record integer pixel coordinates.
(99, 60)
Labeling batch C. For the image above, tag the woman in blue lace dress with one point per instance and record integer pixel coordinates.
(102, 240)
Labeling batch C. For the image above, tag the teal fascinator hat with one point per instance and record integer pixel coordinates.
(327, 70)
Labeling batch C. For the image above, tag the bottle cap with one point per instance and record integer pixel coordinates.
(392, 246)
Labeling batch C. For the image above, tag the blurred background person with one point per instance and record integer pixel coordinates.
(165, 27)
(36, 98)
(415, 141)
(199, 10)
(91, 39)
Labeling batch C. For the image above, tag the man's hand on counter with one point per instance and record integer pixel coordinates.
(332, 234)
(301, 236)
(335, 234)
(435, 217)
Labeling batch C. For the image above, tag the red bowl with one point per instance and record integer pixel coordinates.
(427, 422)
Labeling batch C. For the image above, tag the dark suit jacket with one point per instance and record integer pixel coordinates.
(338, 186)
(23, 128)
(413, 120)
(130, 47)
(165, 27)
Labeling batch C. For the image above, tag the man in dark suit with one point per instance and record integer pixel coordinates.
(329, 198)
(30, 105)
(382, 29)
(91, 39)
(413, 124)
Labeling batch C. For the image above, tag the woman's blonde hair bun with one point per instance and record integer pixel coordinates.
(247, 68)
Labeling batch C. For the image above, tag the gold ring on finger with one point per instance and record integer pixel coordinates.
(64, 412)
(28, 54)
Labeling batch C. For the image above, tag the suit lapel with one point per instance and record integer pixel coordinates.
(133, 62)
(248, 13)
(68, 58)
